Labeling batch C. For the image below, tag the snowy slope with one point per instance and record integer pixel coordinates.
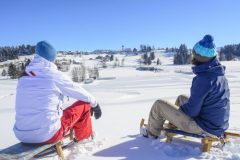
(126, 95)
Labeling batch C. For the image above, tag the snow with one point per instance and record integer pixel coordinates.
(125, 96)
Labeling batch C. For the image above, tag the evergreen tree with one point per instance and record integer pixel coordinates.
(143, 48)
(149, 49)
(182, 56)
(229, 56)
(12, 71)
(134, 50)
(238, 50)
(4, 73)
(158, 62)
(145, 58)
(149, 62)
(152, 56)
(222, 56)
(111, 58)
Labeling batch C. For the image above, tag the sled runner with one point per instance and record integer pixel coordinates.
(171, 131)
(23, 151)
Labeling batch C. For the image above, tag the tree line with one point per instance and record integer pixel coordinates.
(182, 55)
(229, 52)
(10, 53)
(226, 53)
(147, 59)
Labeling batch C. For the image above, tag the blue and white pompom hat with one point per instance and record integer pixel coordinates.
(205, 49)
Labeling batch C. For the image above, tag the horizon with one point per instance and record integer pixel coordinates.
(119, 50)
(99, 25)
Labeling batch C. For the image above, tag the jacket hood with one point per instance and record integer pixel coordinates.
(40, 66)
(212, 66)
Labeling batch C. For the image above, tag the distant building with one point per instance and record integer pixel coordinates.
(63, 65)
(127, 50)
(149, 68)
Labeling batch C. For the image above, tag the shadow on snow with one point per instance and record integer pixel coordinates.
(141, 148)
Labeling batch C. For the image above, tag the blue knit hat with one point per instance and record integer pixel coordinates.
(205, 48)
(46, 50)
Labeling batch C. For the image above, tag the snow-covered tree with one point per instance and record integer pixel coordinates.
(122, 62)
(93, 73)
(79, 73)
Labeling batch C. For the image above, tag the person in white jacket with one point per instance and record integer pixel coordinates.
(39, 98)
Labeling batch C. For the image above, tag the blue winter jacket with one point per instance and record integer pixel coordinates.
(209, 103)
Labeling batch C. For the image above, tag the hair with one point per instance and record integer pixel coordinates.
(196, 62)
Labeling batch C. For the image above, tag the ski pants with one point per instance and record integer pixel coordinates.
(76, 117)
(163, 110)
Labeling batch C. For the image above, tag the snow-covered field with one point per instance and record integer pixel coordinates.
(125, 96)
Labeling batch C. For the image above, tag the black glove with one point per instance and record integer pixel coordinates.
(96, 111)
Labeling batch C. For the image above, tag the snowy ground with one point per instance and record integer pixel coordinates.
(126, 95)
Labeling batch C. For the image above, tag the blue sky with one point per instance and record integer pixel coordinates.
(108, 24)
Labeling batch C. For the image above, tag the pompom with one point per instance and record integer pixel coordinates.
(208, 38)
(207, 41)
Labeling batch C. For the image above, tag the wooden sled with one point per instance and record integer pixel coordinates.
(23, 151)
(171, 131)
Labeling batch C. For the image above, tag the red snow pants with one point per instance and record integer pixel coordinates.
(78, 117)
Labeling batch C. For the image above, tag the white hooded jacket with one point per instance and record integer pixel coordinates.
(39, 101)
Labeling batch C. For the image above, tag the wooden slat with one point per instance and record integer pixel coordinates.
(232, 134)
(59, 150)
(142, 122)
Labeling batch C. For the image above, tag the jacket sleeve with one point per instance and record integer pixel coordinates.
(74, 90)
(199, 91)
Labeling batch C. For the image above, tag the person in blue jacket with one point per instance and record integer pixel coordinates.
(207, 109)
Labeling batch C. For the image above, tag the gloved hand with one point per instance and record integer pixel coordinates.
(96, 111)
